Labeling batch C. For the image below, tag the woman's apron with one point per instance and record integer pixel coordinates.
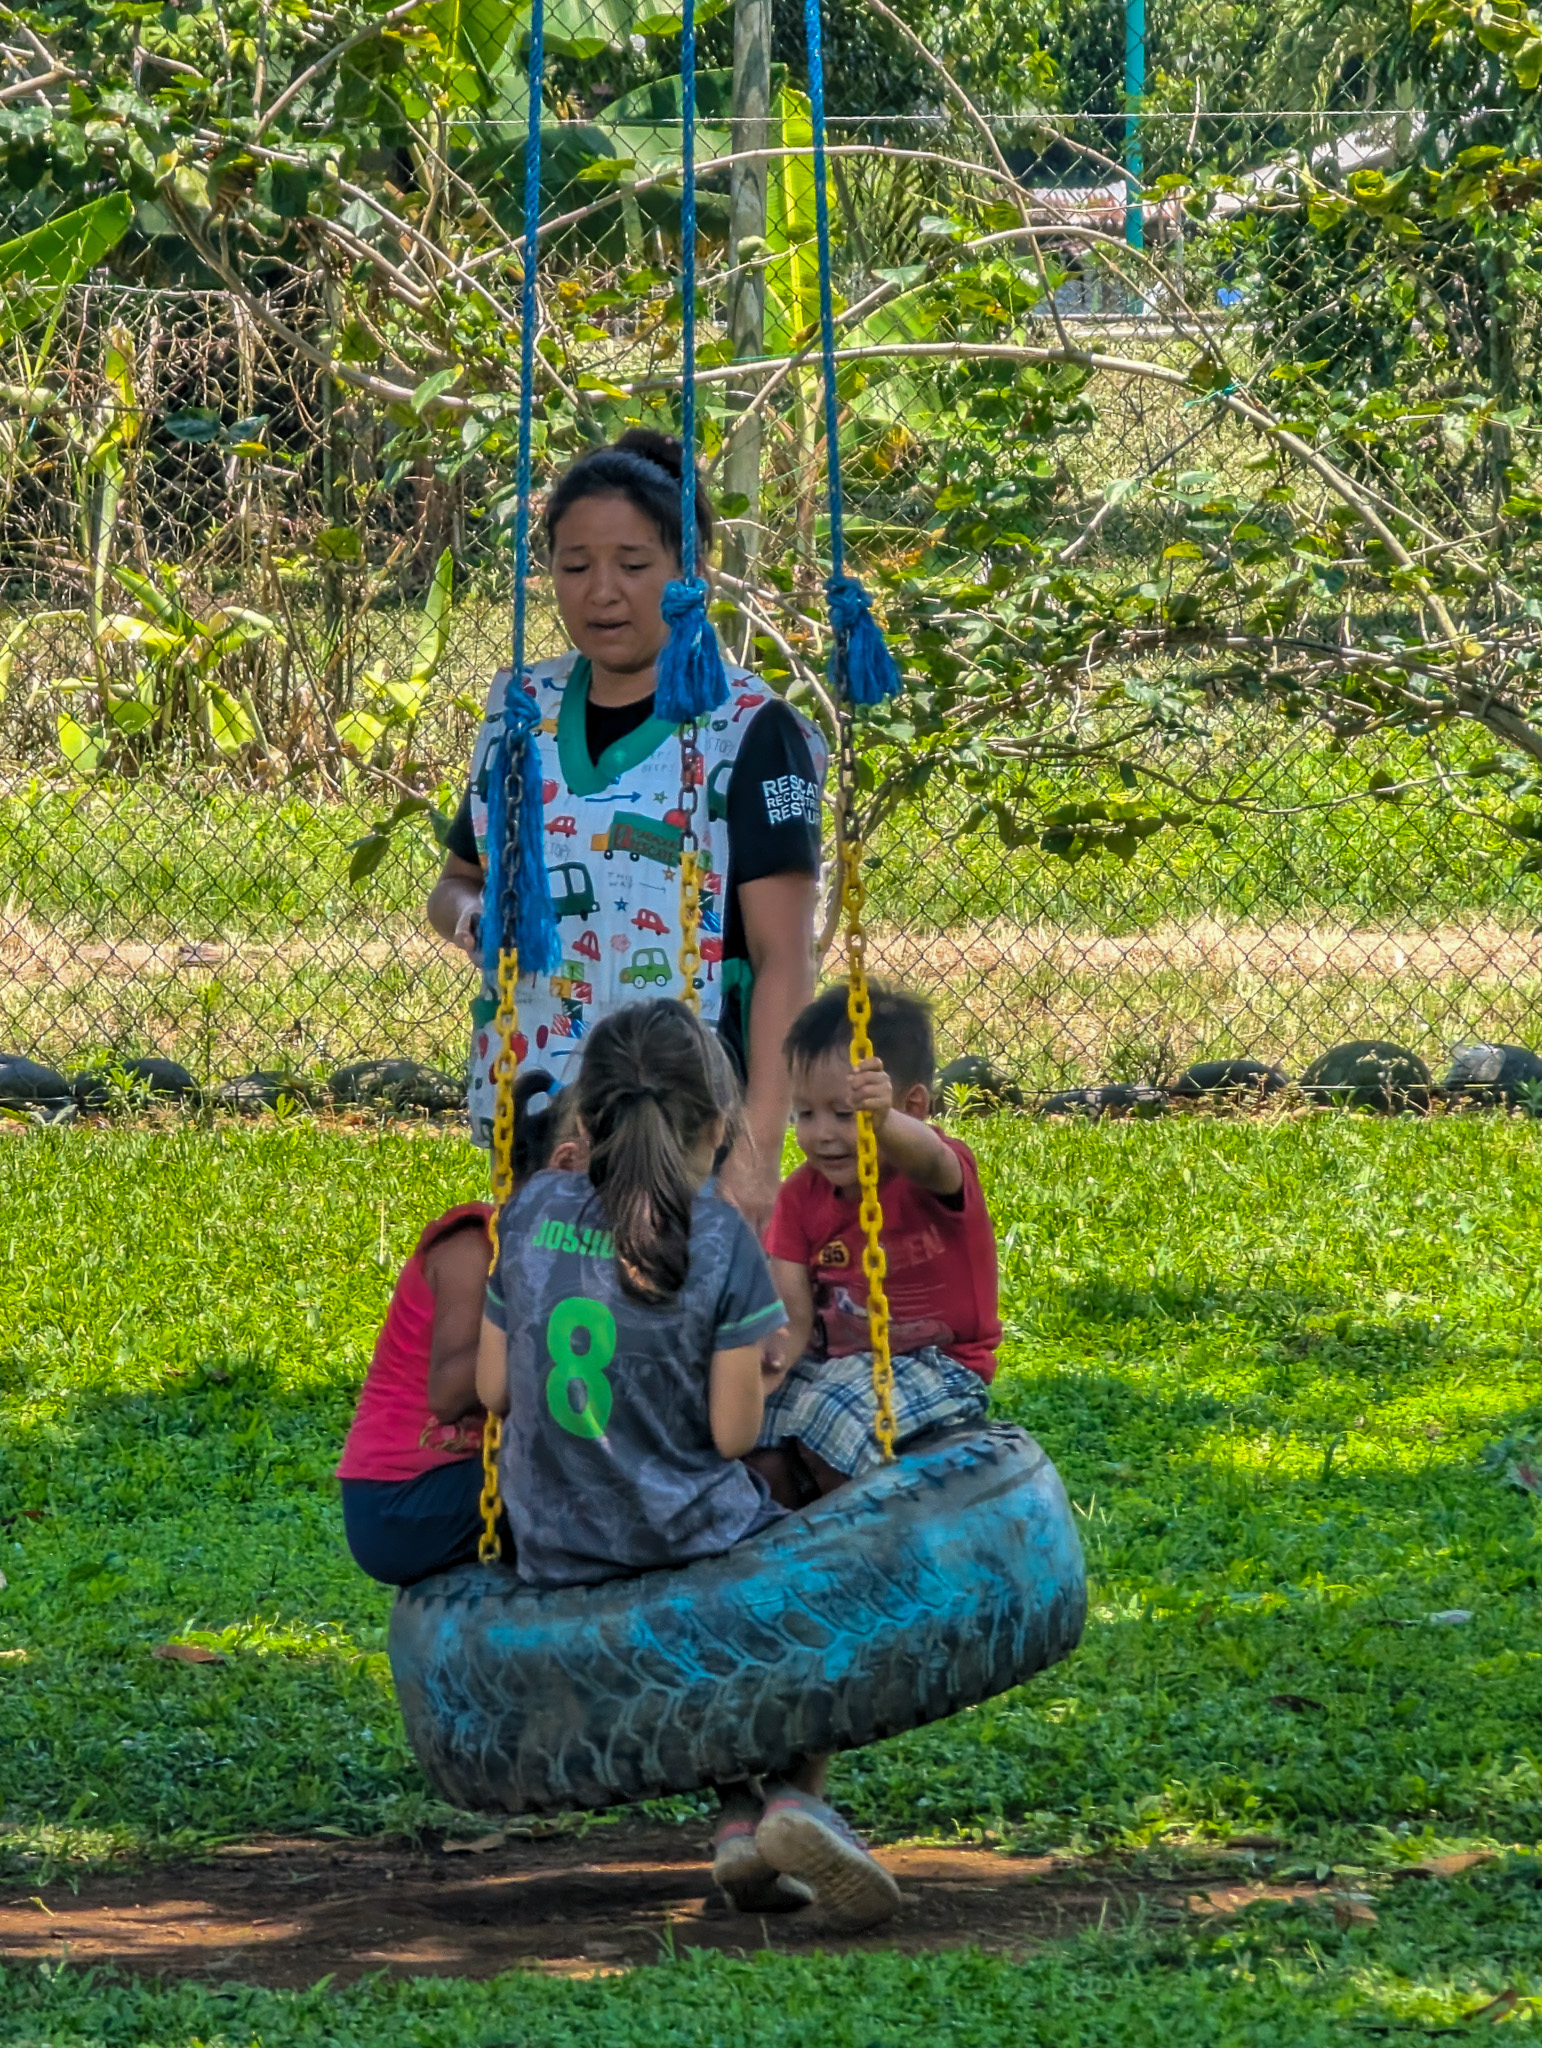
(613, 833)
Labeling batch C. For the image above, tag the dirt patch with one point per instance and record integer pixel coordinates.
(1484, 952)
(287, 1912)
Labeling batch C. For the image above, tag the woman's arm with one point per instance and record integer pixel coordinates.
(735, 1400)
(456, 1272)
(493, 1369)
(455, 900)
(778, 913)
(797, 1291)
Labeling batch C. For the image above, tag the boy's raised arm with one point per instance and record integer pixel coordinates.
(905, 1143)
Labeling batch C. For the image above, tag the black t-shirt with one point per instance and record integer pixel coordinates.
(772, 806)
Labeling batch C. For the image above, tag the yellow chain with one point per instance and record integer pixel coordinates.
(690, 871)
(690, 926)
(875, 1264)
(505, 1065)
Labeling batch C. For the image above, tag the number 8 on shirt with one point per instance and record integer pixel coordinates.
(588, 1414)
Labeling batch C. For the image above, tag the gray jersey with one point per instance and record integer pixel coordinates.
(608, 1465)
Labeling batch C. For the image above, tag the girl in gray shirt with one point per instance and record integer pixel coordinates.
(626, 1321)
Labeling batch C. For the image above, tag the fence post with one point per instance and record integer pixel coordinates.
(1134, 88)
(751, 129)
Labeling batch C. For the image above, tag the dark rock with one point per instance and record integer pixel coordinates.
(398, 1084)
(252, 1093)
(153, 1077)
(38, 1090)
(1230, 1077)
(1369, 1073)
(1494, 1073)
(1113, 1099)
(988, 1090)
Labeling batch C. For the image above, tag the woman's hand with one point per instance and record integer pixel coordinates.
(468, 929)
(456, 904)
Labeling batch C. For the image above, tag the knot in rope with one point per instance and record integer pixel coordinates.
(690, 679)
(867, 667)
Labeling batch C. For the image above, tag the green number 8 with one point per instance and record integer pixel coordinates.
(588, 1415)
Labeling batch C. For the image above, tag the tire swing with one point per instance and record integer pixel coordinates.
(950, 1574)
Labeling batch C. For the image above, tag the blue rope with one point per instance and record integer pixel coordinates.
(863, 668)
(690, 679)
(516, 895)
(529, 313)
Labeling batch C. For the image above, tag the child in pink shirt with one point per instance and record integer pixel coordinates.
(937, 1233)
(411, 1468)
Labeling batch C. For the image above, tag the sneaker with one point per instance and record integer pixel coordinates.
(804, 1839)
(742, 1873)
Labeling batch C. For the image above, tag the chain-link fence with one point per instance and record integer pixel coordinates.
(251, 605)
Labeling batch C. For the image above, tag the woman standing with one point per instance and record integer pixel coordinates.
(613, 824)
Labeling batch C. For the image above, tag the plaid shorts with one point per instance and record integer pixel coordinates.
(828, 1404)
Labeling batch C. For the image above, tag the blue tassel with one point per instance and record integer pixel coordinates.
(517, 892)
(690, 679)
(871, 674)
(497, 773)
(535, 923)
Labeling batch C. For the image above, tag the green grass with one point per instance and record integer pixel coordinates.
(1266, 1357)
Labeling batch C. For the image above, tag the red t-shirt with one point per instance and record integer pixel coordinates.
(395, 1434)
(942, 1263)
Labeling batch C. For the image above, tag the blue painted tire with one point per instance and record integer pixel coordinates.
(942, 1580)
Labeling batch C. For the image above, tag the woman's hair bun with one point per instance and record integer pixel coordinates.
(664, 450)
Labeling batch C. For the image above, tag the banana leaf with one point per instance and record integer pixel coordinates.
(36, 269)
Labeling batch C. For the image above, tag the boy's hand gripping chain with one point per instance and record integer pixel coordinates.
(859, 1009)
(506, 1024)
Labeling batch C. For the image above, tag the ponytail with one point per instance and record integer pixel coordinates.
(653, 1083)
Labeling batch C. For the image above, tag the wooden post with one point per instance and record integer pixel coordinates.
(751, 129)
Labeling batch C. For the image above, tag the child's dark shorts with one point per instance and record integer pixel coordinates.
(403, 1530)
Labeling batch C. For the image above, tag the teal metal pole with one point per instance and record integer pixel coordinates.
(1134, 89)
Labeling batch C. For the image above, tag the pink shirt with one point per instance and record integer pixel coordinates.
(942, 1263)
(395, 1434)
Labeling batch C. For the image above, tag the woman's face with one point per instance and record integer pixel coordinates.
(610, 565)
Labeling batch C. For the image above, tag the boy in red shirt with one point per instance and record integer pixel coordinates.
(937, 1233)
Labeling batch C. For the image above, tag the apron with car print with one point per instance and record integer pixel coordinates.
(614, 832)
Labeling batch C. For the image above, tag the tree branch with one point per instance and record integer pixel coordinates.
(363, 34)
